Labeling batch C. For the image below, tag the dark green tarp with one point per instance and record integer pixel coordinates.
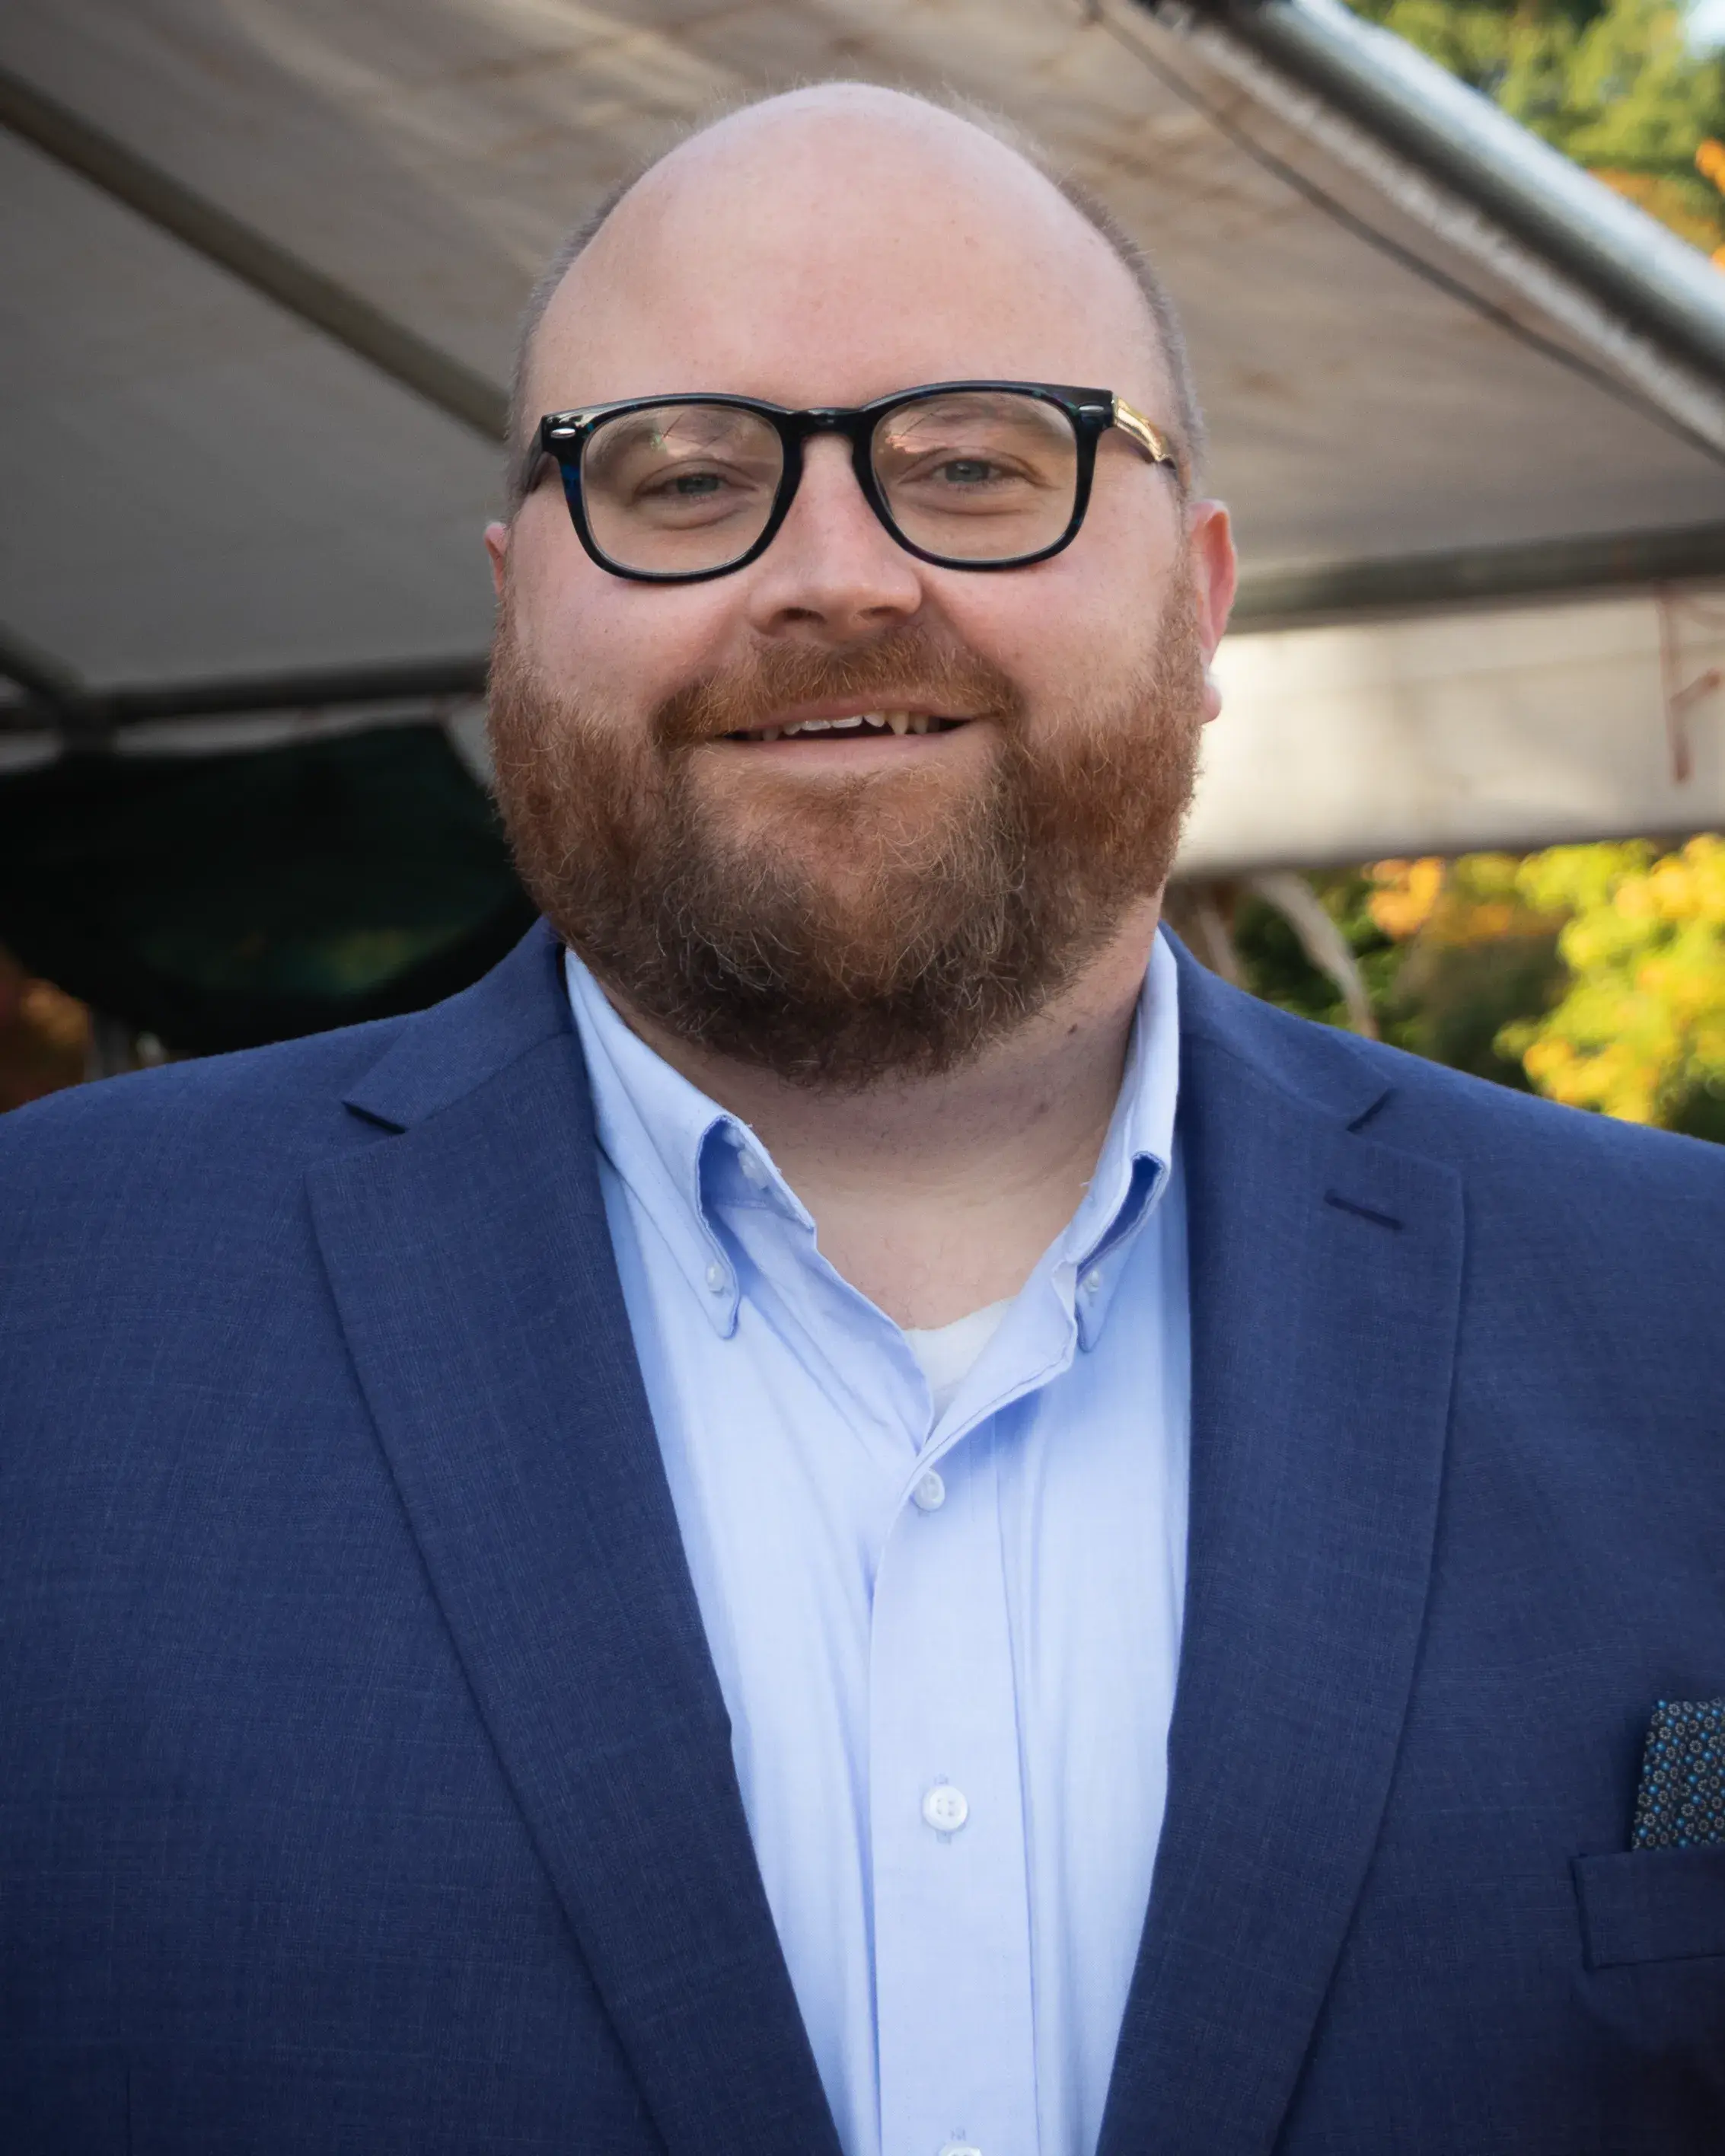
(220, 901)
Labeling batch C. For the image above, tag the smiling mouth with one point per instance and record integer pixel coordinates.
(861, 726)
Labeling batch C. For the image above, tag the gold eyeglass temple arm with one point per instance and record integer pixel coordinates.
(1150, 440)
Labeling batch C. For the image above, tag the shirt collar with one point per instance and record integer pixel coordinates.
(657, 1130)
(1136, 1159)
(678, 1151)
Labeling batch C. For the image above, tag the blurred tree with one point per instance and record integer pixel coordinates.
(1476, 955)
(1450, 952)
(1639, 1028)
(1614, 83)
(1275, 963)
(45, 1036)
(1594, 974)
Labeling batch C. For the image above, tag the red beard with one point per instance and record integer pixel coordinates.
(844, 937)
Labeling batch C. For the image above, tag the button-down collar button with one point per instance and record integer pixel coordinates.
(715, 1279)
(930, 1493)
(752, 1171)
(1093, 1283)
(944, 1808)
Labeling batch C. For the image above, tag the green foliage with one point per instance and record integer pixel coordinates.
(1593, 974)
(1639, 1031)
(1273, 962)
(1449, 952)
(1455, 1001)
(1614, 84)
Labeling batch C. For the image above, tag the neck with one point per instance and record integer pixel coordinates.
(935, 1196)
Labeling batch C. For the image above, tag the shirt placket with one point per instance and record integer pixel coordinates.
(950, 1898)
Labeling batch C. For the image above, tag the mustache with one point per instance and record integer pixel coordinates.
(900, 668)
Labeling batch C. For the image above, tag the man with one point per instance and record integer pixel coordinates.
(603, 1568)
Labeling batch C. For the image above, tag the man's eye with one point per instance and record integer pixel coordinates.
(688, 486)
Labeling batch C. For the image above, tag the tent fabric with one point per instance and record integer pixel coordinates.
(255, 334)
(225, 901)
(201, 486)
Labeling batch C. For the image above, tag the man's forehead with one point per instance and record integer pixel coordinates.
(844, 228)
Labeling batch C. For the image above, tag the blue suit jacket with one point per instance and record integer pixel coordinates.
(364, 1782)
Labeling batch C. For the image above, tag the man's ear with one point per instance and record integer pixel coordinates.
(1215, 574)
(497, 546)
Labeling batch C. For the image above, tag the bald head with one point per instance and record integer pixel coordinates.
(857, 232)
(834, 803)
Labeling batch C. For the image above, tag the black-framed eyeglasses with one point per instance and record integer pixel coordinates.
(965, 474)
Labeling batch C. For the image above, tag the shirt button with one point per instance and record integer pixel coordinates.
(959, 2148)
(946, 1809)
(1093, 1283)
(752, 1171)
(716, 1278)
(930, 1493)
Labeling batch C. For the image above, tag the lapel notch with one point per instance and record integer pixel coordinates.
(471, 1264)
(1325, 1276)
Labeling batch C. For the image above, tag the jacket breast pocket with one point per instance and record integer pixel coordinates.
(1649, 1905)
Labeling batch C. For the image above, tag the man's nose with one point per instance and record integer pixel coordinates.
(833, 571)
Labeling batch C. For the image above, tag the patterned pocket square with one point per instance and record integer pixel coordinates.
(1681, 1803)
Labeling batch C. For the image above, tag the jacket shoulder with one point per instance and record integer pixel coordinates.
(1502, 1134)
(267, 1098)
(1488, 1133)
(224, 1123)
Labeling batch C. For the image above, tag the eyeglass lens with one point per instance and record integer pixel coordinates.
(676, 489)
(975, 476)
(983, 476)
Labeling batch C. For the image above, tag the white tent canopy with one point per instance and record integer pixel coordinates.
(261, 260)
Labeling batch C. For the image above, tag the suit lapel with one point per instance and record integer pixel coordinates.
(471, 1264)
(1325, 1273)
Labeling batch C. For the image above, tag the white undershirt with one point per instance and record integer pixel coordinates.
(948, 1354)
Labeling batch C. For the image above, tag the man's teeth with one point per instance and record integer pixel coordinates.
(859, 722)
(897, 722)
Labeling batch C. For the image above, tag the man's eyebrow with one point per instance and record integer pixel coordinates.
(1184, 428)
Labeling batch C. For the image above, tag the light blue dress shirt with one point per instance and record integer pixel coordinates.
(947, 1644)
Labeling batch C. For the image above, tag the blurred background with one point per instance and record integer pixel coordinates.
(1454, 275)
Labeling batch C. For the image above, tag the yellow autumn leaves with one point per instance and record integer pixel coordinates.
(1638, 1028)
(1710, 163)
